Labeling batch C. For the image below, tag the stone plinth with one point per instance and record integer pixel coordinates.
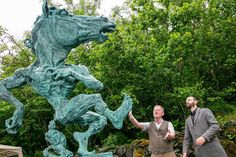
(7, 151)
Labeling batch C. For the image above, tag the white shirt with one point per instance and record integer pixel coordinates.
(147, 124)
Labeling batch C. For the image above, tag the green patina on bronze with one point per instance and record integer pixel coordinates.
(55, 34)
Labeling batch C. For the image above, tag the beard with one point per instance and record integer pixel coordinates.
(189, 106)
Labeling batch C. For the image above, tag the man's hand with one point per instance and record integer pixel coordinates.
(131, 117)
(130, 113)
(169, 135)
(185, 155)
(200, 141)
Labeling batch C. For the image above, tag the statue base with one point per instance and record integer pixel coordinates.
(107, 154)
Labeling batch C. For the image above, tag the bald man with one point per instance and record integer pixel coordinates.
(161, 133)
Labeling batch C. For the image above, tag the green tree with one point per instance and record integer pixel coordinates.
(166, 51)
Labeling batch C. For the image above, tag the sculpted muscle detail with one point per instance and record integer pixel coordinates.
(47, 84)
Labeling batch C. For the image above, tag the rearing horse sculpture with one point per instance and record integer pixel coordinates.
(55, 33)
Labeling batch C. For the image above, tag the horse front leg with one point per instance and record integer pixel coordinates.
(12, 124)
(18, 79)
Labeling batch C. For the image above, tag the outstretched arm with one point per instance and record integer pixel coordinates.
(89, 81)
(135, 121)
(18, 79)
(81, 73)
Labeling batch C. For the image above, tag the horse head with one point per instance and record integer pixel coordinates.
(57, 31)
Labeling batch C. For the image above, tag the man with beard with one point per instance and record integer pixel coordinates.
(201, 128)
(160, 133)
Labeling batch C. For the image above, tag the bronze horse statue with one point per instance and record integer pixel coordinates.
(56, 32)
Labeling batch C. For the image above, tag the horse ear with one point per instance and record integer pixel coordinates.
(28, 43)
(45, 8)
